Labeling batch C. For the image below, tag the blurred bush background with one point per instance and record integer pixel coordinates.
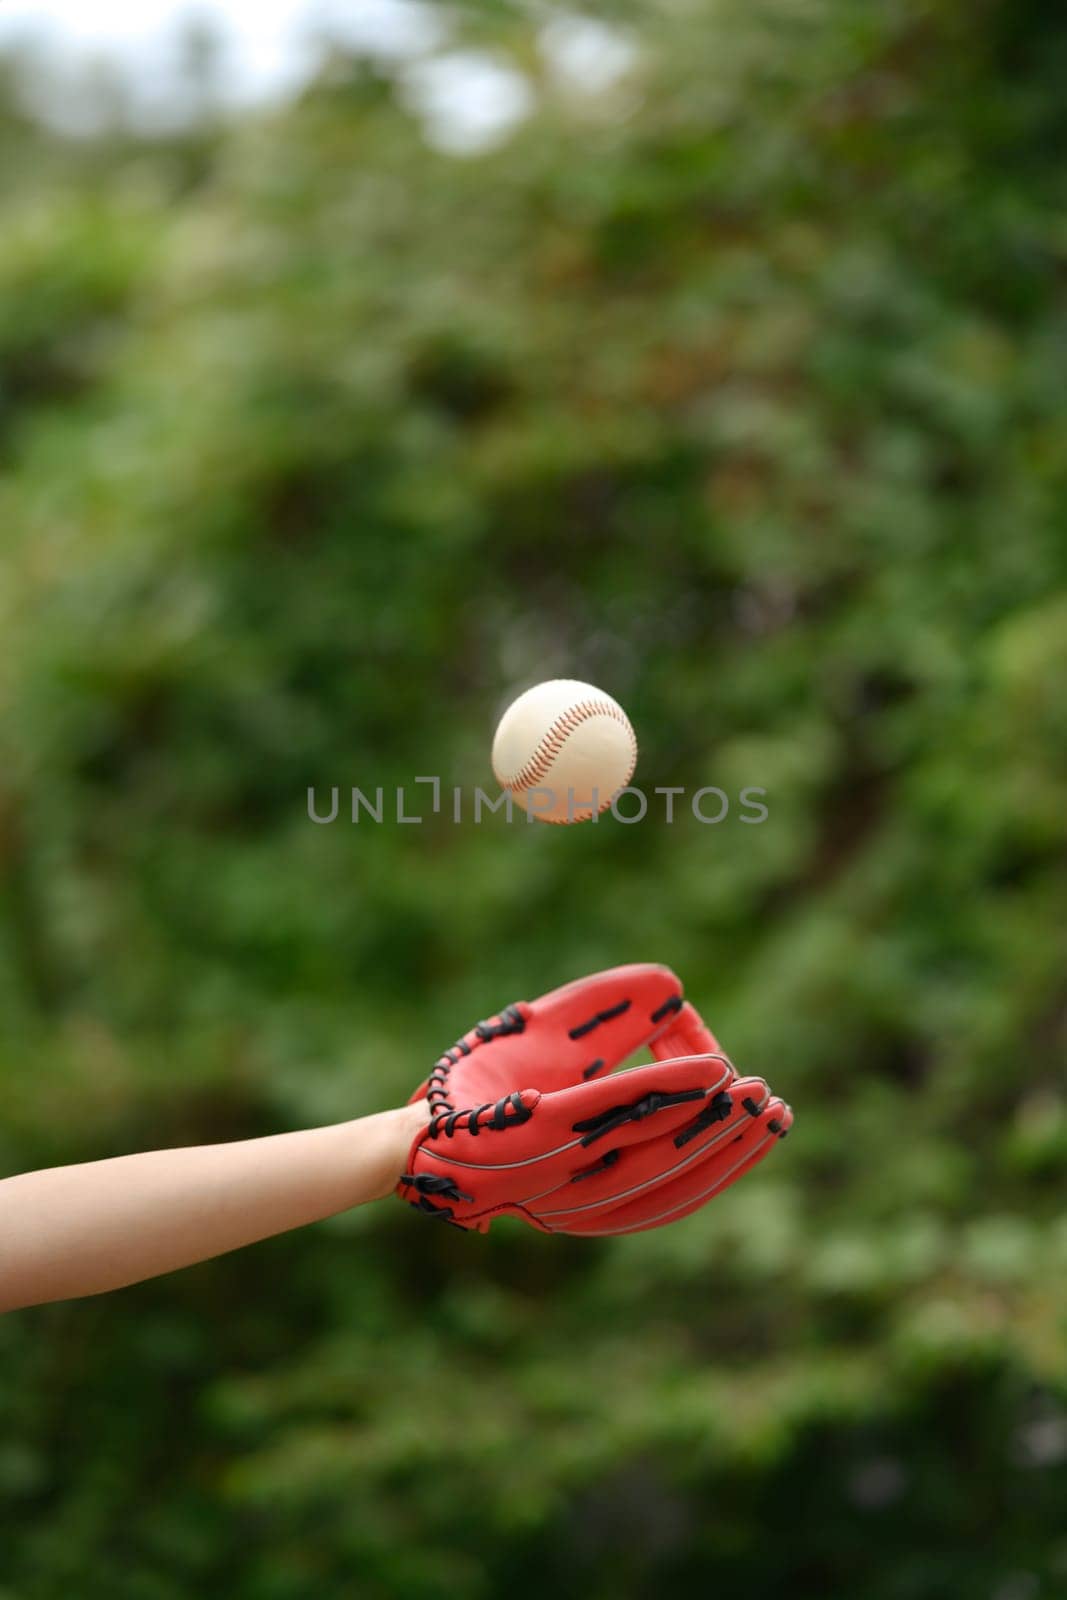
(732, 380)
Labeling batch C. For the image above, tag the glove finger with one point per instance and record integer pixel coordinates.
(621, 1174)
(537, 1152)
(696, 1185)
(684, 1034)
(574, 1033)
(592, 1025)
(614, 1110)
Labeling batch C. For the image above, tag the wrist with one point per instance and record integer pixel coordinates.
(414, 1119)
(404, 1123)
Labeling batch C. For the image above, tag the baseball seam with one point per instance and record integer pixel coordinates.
(556, 737)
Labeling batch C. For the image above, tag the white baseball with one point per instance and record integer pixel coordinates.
(564, 748)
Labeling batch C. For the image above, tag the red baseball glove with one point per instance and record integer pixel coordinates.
(529, 1119)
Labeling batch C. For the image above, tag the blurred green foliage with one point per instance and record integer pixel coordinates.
(741, 392)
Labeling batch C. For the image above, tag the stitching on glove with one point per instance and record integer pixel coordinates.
(674, 1002)
(447, 1123)
(583, 1028)
(715, 1090)
(718, 1111)
(693, 1201)
(726, 1134)
(511, 1166)
(594, 1066)
(614, 1117)
(608, 1159)
(511, 1021)
(435, 1183)
(439, 1213)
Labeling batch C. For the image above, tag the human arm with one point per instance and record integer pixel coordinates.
(81, 1230)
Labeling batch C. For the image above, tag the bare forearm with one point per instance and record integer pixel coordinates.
(80, 1230)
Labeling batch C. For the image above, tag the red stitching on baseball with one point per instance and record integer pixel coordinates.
(556, 737)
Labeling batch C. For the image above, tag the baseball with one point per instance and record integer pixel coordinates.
(564, 749)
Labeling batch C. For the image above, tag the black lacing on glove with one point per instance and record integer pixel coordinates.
(614, 1117)
(582, 1028)
(511, 1020)
(608, 1159)
(507, 1113)
(427, 1183)
(435, 1183)
(717, 1111)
